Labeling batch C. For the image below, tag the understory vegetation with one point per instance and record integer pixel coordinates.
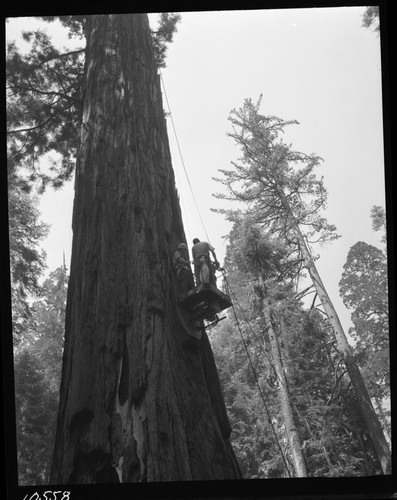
(332, 435)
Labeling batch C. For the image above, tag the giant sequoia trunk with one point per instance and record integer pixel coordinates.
(140, 400)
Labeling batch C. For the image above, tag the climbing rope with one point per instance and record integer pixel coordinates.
(181, 157)
(229, 288)
(256, 377)
(235, 300)
(184, 210)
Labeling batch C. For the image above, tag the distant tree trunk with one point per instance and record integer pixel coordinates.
(285, 400)
(364, 401)
(140, 400)
(381, 413)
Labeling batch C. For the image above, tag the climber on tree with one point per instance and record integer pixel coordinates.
(205, 301)
(203, 267)
(182, 268)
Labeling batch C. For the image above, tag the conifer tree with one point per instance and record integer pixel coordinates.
(140, 399)
(333, 436)
(45, 95)
(286, 197)
(35, 412)
(38, 357)
(137, 419)
(27, 260)
(260, 258)
(364, 290)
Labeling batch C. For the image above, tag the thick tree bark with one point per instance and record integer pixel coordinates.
(364, 401)
(140, 400)
(285, 400)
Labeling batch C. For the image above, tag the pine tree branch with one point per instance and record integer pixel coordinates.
(51, 93)
(39, 125)
(54, 57)
(304, 292)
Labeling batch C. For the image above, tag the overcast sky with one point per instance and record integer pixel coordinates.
(318, 66)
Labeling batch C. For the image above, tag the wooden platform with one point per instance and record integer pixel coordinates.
(203, 296)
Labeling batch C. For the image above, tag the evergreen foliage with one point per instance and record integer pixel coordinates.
(364, 290)
(27, 259)
(378, 216)
(333, 432)
(333, 436)
(284, 197)
(252, 437)
(35, 410)
(371, 18)
(270, 175)
(44, 113)
(164, 35)
(37, 369)
(45, 99)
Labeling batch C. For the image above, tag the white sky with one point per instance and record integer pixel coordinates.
(318, 66)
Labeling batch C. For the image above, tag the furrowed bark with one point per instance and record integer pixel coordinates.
(140, 400)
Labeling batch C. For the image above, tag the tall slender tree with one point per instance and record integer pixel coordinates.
(298, 368)
(286, 197)
(285, 397)
(260, 259)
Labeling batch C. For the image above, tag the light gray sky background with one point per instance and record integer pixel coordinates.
(316, 65)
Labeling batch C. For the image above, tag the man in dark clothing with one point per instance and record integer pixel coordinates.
(203, 267)
(181, 264)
